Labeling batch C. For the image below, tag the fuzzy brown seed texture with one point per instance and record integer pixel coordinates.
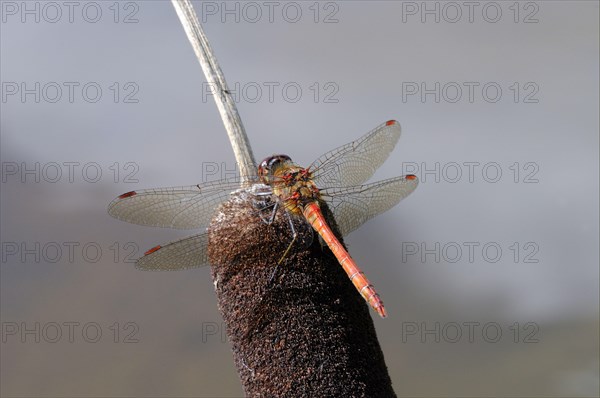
(305, 332)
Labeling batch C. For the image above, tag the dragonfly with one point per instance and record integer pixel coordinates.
(337, 179)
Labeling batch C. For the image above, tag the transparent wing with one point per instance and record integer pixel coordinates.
(354, 163)
(353, 206)
(184, 253)
(180, 207)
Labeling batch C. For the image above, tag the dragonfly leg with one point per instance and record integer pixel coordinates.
(294, 236)
(274, 213)
(271, 218)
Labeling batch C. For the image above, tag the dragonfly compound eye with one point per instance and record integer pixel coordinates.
(269, 164)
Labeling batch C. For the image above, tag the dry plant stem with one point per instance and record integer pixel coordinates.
(214, 75)
(306, 332)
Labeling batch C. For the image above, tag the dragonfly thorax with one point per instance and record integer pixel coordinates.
(291, 183)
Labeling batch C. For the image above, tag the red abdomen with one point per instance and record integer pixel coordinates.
(314, 216)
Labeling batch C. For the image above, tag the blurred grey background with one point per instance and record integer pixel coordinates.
(490, 280)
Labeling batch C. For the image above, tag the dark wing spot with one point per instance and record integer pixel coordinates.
(127, 194)
(155, 248)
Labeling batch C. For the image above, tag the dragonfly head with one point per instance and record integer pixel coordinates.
(269, 166)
